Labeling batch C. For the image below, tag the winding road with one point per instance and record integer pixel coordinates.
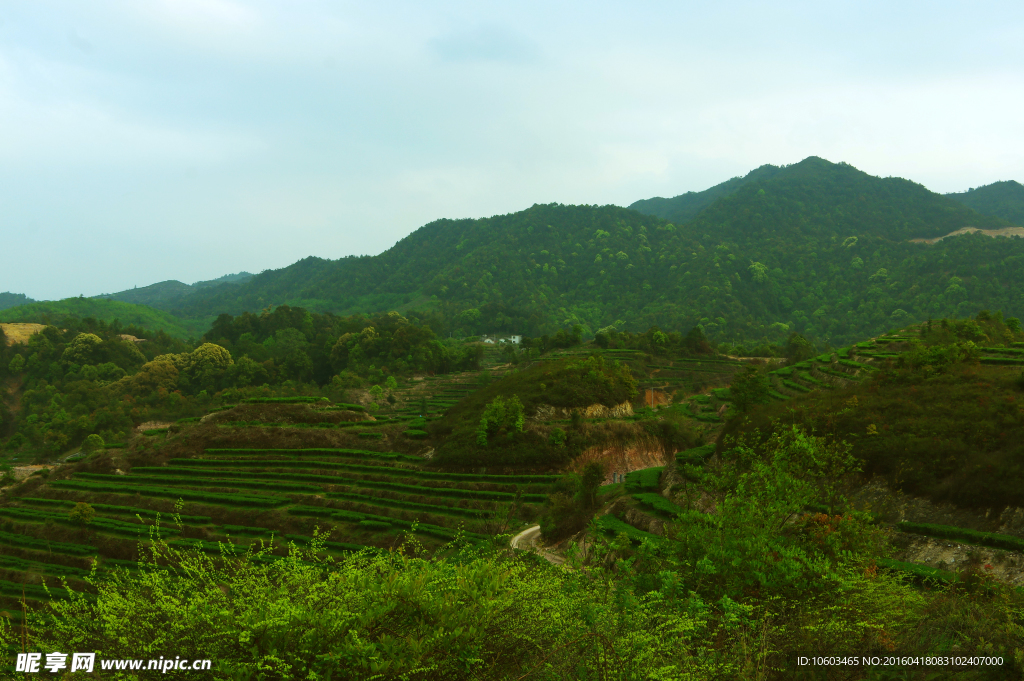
(529, 540)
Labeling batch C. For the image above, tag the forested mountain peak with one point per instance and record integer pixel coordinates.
(1002, 199)
(685, 207)
(816, 196)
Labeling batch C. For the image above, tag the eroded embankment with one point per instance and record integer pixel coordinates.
(620, 457)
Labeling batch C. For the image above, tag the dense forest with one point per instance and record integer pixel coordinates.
(87, 378)
(13, 300)
(1002, 199)
(816, 247)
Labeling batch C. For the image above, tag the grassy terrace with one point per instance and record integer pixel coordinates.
(237, 497)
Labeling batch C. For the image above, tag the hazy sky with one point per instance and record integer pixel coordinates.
(185, 139)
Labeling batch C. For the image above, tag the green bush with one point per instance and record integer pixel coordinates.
(371, 436)
(416, 434)
(93, 443)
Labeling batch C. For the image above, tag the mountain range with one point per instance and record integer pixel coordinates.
(816, 247)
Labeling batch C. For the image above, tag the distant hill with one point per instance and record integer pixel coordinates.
(830, 243)
(8, 300)
(1002, 199)
(171, 294)
(52, 312)
(685, 207)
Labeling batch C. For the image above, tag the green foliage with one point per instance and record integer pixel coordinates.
(696, 456)
(644, 480)
(375, 525)
(500, 414)
(557, 437)
(493, 620)
(932, 423)
(297, 399)
(659, 504)
(570, 384)
(175, 493)
(27, 542)
(749, 388)
(998, 541)
(17, 364)
(82, 514)
(58, 312)
(93, 443)
(1001, 199)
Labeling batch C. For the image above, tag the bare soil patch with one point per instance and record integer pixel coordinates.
(1005, 231)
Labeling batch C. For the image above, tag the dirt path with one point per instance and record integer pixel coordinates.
(529, 540)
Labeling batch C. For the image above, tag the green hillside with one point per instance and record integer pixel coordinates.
(1002, 199)
(8, 299)
(354, 520)
(829, 243)
(685, 207)
(53, 311)
(170, 294)
(933, 409)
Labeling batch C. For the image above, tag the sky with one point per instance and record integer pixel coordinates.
(187, 139)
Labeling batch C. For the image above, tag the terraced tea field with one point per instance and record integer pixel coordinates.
(855, 363)
(232, 497)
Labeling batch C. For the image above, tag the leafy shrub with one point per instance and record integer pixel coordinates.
(82, 514)
(371, 436)
(917, 571)
(416, 434)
